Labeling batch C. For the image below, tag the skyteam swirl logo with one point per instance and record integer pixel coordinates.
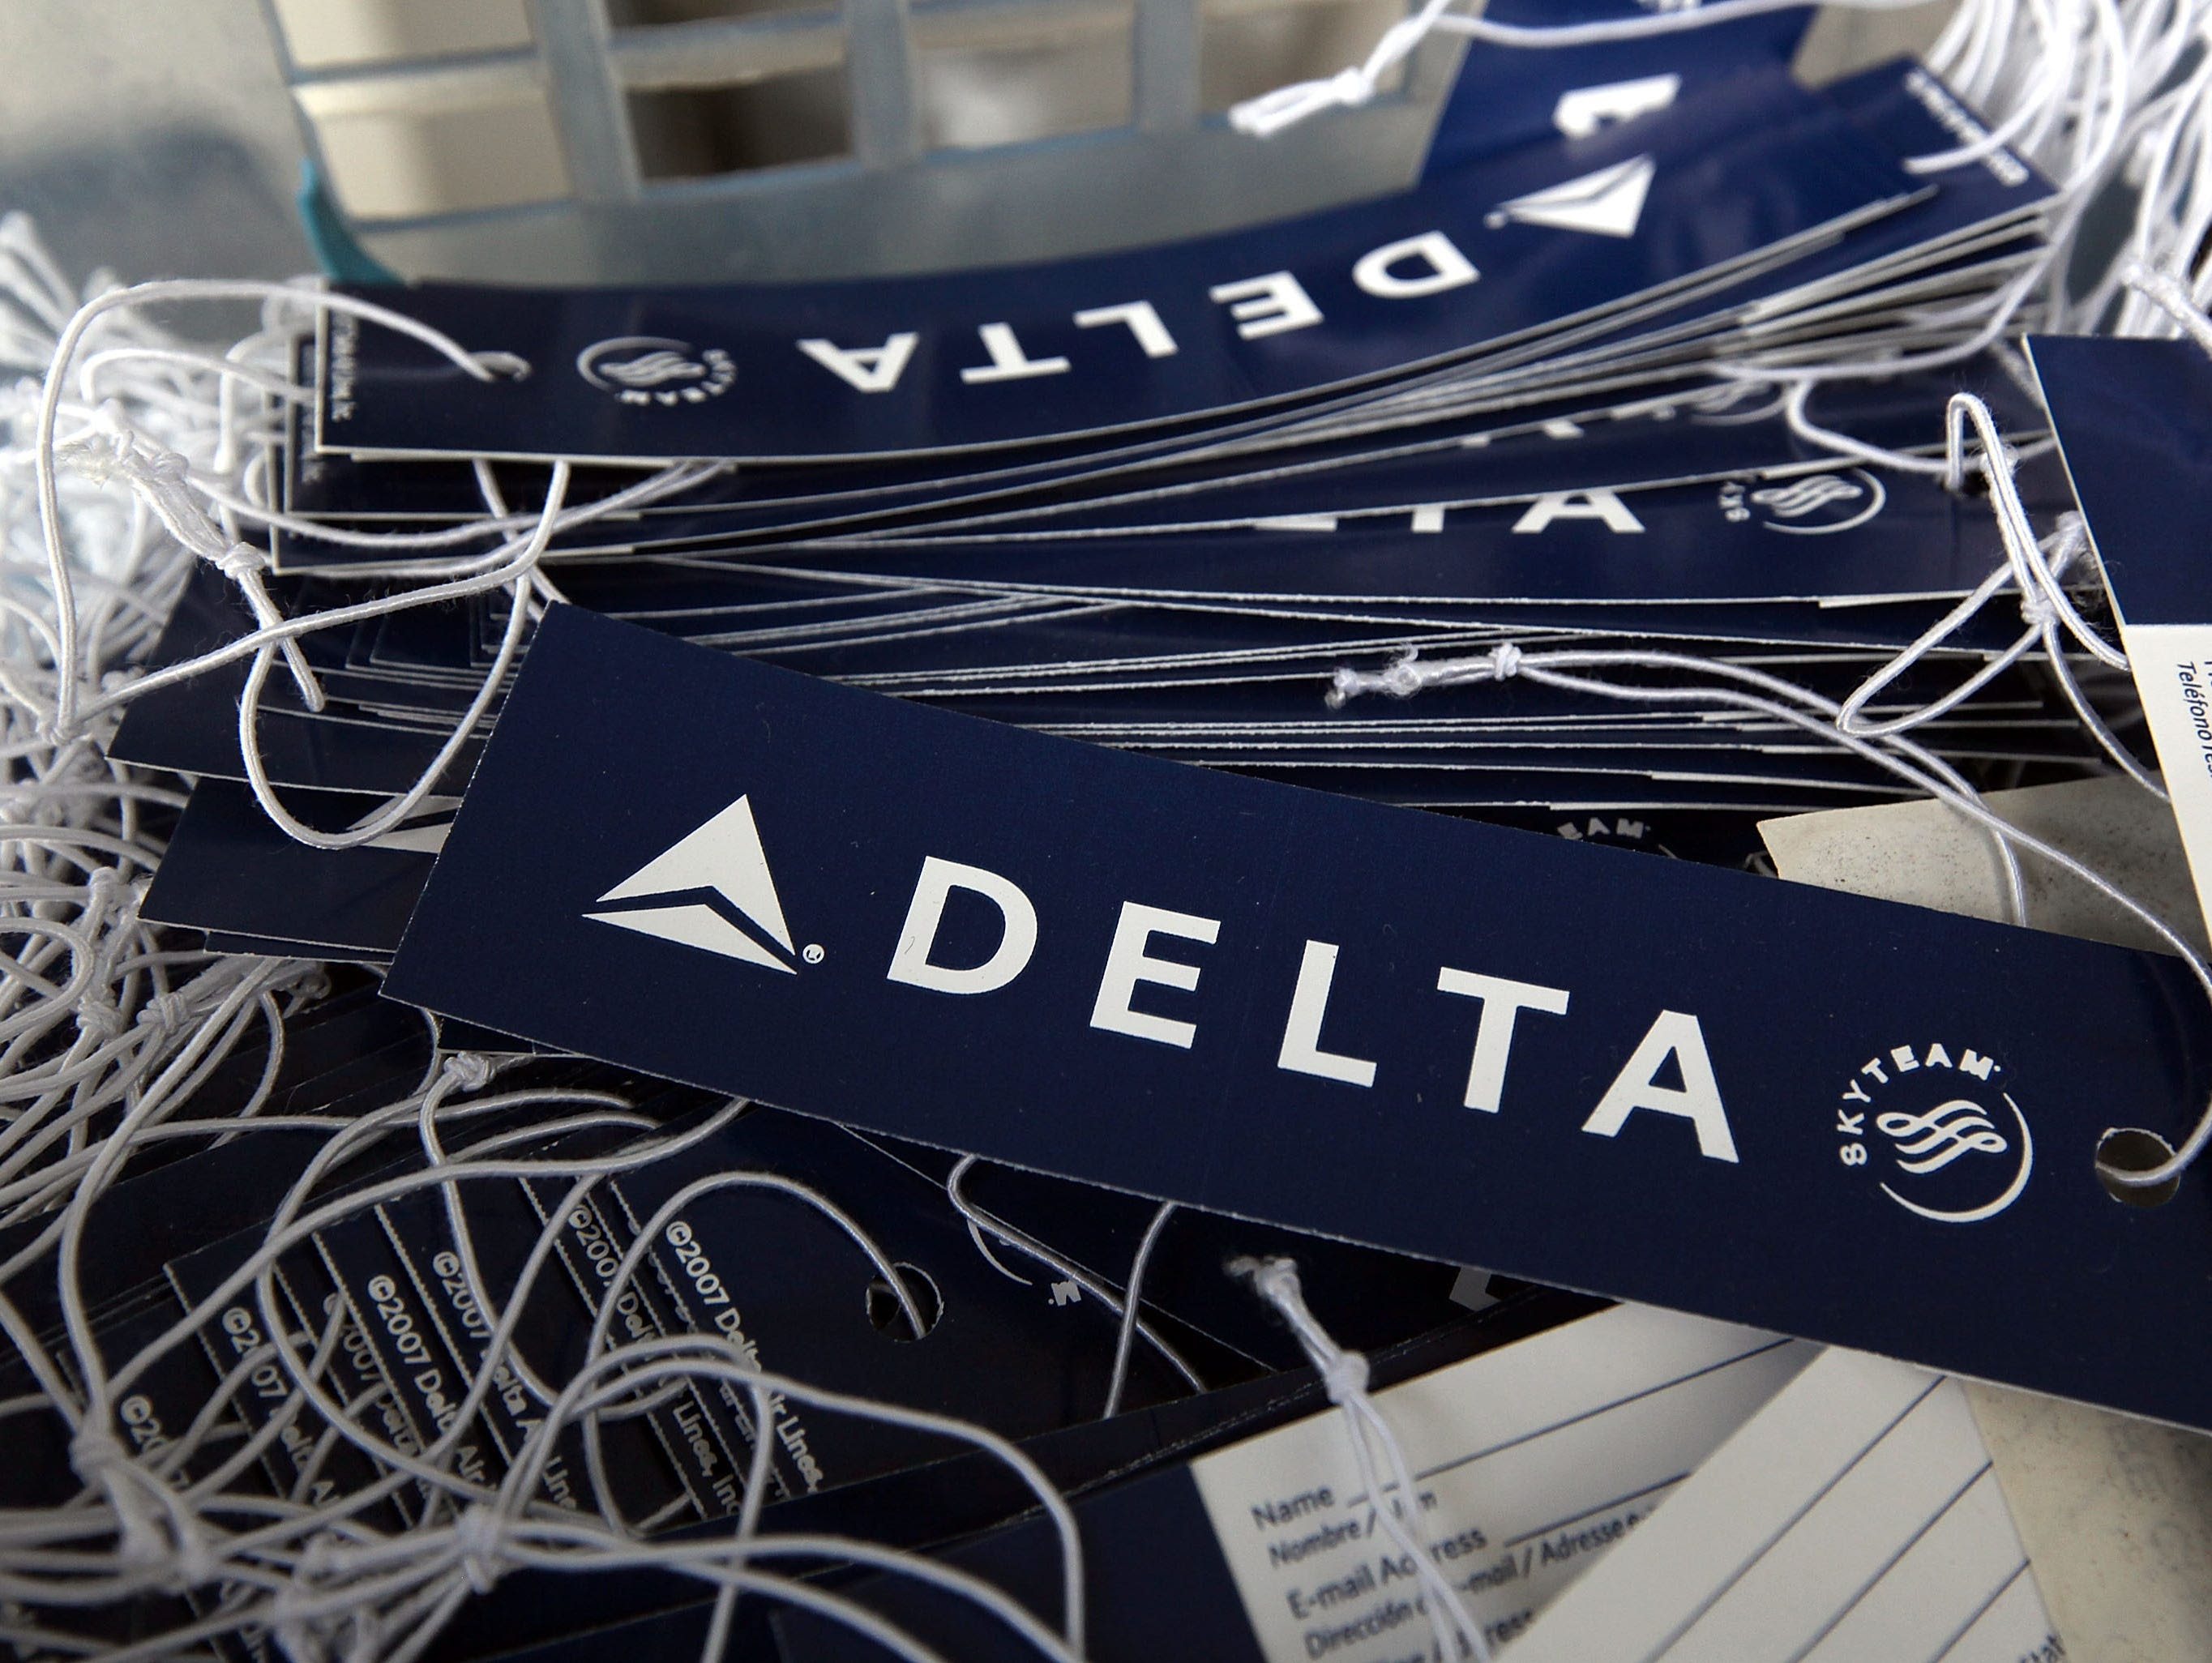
(652, 369)
(1810, 505)
(1806, 495)
(1937, 1132)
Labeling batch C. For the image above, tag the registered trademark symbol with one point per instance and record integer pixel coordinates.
(812, 952)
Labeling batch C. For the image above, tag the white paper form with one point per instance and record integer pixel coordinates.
(1532, 1462)
(1926, 853)
(1855, 1520)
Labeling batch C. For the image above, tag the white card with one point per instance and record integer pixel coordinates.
(1533, 1462)
(1855, 1520)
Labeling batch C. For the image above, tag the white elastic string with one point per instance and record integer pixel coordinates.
(980, 1221)
(409, 553)
(481, 366)
(480, 1541)
(2171, 298)
(613, 1374)
(1397, 1506)
(382, 820)
(1270, 112)
(1131, 1299)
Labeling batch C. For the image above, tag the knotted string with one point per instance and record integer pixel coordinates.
(1344, 1375)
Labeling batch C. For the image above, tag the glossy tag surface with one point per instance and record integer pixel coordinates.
(1839, 1118)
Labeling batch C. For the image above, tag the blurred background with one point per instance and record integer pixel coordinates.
(693, 140)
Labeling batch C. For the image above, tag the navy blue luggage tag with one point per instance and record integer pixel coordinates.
(1351, 431)
(1273, 647)
(1766, 758)
(1817, 534)
(691, 1435)
(1259, 703)
(1570, 791)
(241, 1328)
(357, 1372)
(157, 1409)
(771, 502)
(1342, 427)
(788, 1286)
(542, 1616)
(418, 1231)
(390, 1311)
(154, 1217)
(2134, 421)
(1375, 1299)
(225, 941)
(1965, 220)
(1906, 111)
(1281, 1005)
(1900, 105)
(1506, 95)
(1500, 249)
(192, 727)
(801, 1299)
(1095, 645)
(1706, 778)
(206, 1190)
(1649, 443)
(230, 869)
(401, 1304)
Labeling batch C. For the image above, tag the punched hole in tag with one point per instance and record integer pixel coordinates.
(2130, 1148)
(891, 1318)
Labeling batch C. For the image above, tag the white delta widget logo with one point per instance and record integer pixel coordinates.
(713, 891)
(1606, 203)
(724, 864)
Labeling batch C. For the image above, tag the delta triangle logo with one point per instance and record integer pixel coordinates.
(1606, 203)
(709, 886)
